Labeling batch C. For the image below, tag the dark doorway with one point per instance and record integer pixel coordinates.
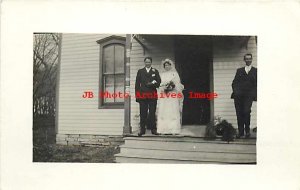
(193, 55)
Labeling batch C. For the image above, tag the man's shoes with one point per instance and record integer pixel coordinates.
(248, 135)
(142, 132)
(239, 136)
(154, 132)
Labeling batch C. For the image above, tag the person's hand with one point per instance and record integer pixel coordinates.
(154, 82)
(150, 84)
(163, 84)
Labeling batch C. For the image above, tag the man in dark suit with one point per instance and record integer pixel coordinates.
(147, 80)
(244, 86)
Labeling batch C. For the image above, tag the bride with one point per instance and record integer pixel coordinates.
(169, 107)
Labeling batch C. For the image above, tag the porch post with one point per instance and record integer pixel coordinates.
(211, 81)
(127, 125)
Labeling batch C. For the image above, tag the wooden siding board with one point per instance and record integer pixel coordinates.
(90, 111)
(80, 72)
(89, 132)
(90, 123)
(75, 80)
(89, 62)
(91, 115)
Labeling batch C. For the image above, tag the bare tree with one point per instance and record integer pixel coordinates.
(45, 59)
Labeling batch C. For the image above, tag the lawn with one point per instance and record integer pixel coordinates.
(45, 149)
(63, 153)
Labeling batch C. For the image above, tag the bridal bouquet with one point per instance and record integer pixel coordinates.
(169, 87)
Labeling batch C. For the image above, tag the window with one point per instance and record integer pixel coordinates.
(112, 72)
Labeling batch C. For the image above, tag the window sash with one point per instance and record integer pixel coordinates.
(115, 76)
(104, 88)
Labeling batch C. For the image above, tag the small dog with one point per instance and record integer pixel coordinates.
(226, 130)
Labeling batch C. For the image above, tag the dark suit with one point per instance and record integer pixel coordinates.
(146, 95)
(244, 88)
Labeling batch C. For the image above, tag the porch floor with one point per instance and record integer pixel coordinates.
(188, 131)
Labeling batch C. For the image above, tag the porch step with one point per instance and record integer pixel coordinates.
(186, 150)
(133, 160)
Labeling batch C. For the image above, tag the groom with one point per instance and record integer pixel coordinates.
(147, 80)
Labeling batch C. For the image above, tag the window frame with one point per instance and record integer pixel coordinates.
(112, 40)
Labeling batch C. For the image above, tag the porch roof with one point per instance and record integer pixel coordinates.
(237, 41)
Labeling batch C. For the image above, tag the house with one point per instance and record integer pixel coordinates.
(92, 64)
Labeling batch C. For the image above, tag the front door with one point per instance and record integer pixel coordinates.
(193, 57)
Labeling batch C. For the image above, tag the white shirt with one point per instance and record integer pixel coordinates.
(248, 68)
(148, 69)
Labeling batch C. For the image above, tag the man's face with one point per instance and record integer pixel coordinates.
(148, 63)
(248, 60)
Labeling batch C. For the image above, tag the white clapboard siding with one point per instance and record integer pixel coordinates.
(79, 72)
(159, 48)
(226, 61)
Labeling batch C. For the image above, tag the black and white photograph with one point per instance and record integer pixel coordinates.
(142, 98)
(149, 94)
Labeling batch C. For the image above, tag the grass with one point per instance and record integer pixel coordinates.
(63, 153)
(45, 149)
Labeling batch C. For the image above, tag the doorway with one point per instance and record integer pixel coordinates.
(193, 58)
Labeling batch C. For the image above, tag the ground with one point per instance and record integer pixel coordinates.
(45, 149)
(63, 153)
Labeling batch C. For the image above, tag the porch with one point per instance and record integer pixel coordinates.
(205, 64)
(189, 147)
(186, 150)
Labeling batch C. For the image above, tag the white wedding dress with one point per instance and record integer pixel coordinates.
(169, 108)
